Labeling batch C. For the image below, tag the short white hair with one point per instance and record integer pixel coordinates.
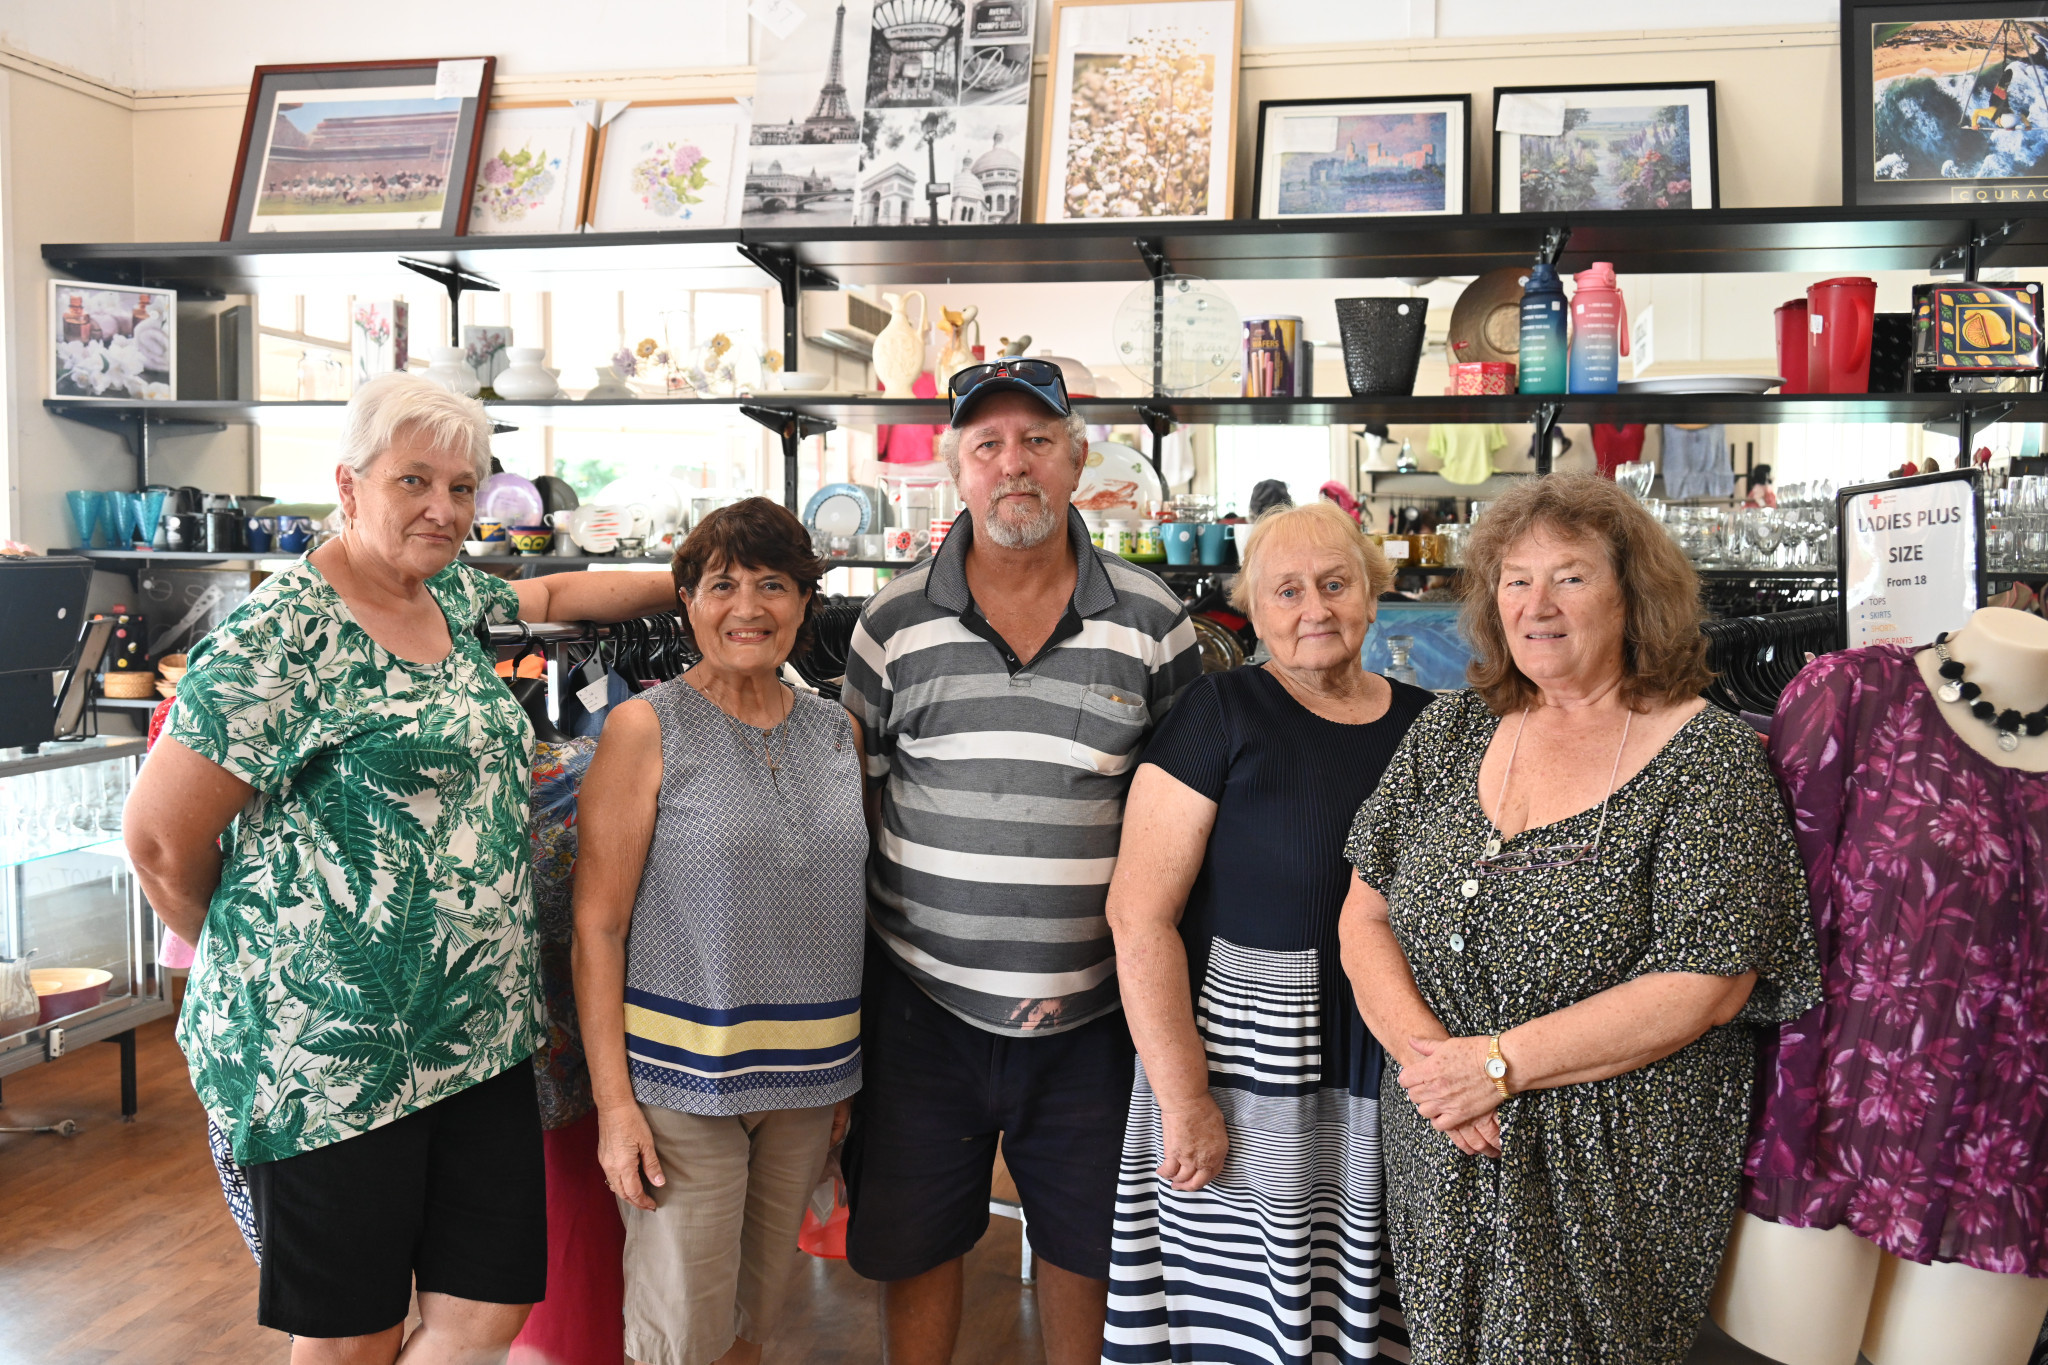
(949, 442)
(399, 402)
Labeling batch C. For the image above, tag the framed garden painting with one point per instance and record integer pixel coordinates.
(1141, 110)
(664, 165)
(1602, 148)
(1362, 158)
(359, 147)
(533, 172)
(1944, 103)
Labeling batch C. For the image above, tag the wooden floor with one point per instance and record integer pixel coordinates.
(115, 1247)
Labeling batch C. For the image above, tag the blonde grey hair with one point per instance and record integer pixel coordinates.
(949, 442)
(1318, 523)
(397, 403)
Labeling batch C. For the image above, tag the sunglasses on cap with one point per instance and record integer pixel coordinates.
(1040, 378)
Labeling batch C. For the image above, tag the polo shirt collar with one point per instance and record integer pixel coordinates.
(946, 586)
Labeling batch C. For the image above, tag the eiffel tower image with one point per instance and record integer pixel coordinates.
(833, 120)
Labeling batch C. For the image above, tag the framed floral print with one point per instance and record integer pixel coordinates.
(1596, 148)
(664, 165)
(1141, 110)
(533, 172)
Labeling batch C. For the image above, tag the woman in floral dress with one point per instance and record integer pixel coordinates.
(1576, 890)
(365, 1000)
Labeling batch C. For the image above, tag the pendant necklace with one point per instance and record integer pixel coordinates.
(2009, 722)
(767, 750)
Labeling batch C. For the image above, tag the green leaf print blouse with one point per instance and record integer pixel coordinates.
(370, 949)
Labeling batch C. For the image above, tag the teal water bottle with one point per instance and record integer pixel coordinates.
(1543, 360)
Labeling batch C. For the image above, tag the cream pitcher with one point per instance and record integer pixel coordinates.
(899, 350)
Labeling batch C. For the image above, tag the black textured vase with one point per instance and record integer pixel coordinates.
(1382, 344)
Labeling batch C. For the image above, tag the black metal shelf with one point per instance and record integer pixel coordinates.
(1714, 240)
(1420, 409)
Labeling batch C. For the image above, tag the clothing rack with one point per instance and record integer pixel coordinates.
(1755, 658)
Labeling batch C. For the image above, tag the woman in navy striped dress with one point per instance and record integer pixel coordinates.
(1248, 1220)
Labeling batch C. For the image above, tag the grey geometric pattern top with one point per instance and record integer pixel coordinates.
(743, 960)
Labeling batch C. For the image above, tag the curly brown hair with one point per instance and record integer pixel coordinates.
(754, 533)
(1664, 655)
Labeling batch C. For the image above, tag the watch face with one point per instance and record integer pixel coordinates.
(1496, 1068)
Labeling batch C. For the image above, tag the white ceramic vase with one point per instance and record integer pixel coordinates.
(523, 377)
(609, 386)
(451, 371)
(899, 350)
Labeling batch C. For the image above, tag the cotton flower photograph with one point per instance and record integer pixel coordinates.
(1142, 110)
(113, 343)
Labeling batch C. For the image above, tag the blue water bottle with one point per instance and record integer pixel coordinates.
(1543, 360)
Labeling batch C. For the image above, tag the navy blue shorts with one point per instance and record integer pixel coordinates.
(937, 1092)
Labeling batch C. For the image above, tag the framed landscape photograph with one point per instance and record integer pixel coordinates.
(112, 341)
(533, 172)
(1141, 110)
(1362, 158)
(1597, 148)
(664, 165)
(1944, 103)
(359, 147)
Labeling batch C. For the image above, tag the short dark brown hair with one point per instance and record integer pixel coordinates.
(1663, 653)
(754, 533)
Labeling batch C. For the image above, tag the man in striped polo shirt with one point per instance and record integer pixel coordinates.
(1006, 687)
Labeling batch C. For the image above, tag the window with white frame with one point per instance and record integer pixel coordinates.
(1246, 456)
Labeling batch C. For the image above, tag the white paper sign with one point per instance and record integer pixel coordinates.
(595, 696)
(1308, 133)
(1910, 558)
(779, 17)
(1642, 337)
(459, 79)
(1534, 115)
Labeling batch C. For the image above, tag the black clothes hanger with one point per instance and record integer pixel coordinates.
(532, 693)
(1755, 658)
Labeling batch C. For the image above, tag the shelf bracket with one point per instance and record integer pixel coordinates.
(139, 431)
(1554, 239)
(1159, 422)
(1545, 419)
(1969, 256)
(793, 428)
(1153, 252)
(456, 281)
(792, 276)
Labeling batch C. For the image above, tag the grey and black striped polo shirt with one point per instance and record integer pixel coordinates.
(1003, 784)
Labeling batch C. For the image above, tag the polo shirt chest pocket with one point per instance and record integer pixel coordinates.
(1107, 727)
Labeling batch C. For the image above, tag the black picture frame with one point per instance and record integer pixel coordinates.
(346, 216)
(1702, 91)
(1919, 175)
(1457, 179)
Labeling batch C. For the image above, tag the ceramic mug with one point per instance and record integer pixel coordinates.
(294, 534)
(183, 530)
(488, 530)
(260, 531)
(531, 540)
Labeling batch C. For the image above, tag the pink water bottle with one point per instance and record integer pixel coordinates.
(1599, 330)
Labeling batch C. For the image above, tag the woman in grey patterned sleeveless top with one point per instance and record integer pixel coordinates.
(719, 922)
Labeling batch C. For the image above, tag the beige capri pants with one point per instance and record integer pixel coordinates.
(712, 1260)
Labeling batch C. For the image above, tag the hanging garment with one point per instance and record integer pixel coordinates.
(1466, 451)
(1911, 1106)
(560, 1068)
(911, 442)
(1613, 445)
(1696, 463)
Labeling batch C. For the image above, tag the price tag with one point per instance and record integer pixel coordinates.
(1395, 549)
(1910, 552)
(1532, 115)
(779, 17)
(459, 79)
(595, 696)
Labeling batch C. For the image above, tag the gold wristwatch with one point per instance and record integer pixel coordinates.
(1496, 1066)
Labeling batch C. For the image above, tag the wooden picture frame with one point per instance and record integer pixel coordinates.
(1085, 194)
(1580, 177)
(1926, 137)
(606, 210)
(1421, 174)
(416, 180)
(542, 190)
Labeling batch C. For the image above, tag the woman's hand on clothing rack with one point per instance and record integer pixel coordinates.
(590, 596)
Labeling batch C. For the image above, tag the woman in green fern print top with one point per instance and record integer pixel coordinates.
(365, 996)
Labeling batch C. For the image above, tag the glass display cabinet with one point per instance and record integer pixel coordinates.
(73, 922)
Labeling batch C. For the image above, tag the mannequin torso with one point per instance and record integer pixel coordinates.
(1810, 1296)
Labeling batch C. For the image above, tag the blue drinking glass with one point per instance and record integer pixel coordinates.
(117, 519)
(87, 508)
(148, 507)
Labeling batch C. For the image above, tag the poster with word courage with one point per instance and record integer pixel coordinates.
(1909, 558)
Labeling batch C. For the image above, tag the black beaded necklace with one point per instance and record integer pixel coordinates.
(2009, 722)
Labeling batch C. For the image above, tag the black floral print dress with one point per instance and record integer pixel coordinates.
(1596, 1236)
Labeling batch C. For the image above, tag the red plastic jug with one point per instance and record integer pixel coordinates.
(1838, 323)
(1792, 344)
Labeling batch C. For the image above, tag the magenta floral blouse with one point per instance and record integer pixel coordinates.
(1911, 1106)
